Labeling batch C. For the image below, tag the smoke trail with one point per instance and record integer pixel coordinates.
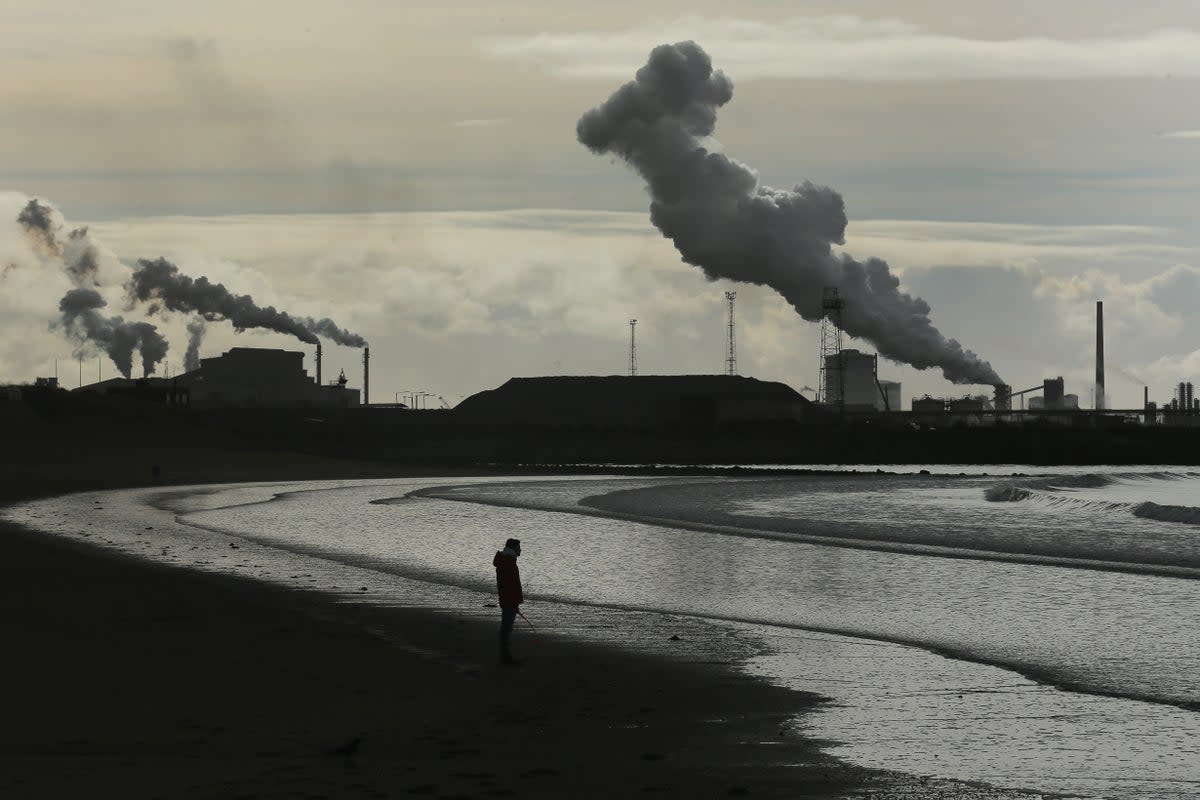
(113, 335)
(191, 358)
(1127, 374)
(159, 281)
(81, 258)
(40, 223)
(723, 221)
(78, 255)
(330, 330)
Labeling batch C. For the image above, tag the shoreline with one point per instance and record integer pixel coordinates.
(267, 716)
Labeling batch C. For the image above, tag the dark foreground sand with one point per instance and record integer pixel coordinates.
(134, 680)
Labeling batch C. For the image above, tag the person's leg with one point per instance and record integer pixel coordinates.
(508, 615)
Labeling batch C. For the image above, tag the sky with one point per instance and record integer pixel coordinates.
(413, 172)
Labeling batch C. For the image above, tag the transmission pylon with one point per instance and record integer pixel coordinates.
(731, 350)
(633, 347)
(833, 386)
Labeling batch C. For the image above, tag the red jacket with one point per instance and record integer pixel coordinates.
(508, 579)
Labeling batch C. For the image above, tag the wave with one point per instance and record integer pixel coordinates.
(1186, 515)
(1056, 492)
(614, 505)
(1015, 491)
(594, 505)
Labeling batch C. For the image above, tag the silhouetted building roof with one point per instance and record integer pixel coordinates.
(259, 377)
(643, 400)
(151, 390)
(244, 377)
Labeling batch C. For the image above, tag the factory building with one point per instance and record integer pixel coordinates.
(1054, 398)
(251, 377)
(641, 401)
(1052, 392)
(966, 405)
(928, 405)
(1068, 402)
(856, 374)
(244, 377)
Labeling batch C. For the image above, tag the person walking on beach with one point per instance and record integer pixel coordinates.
(508, 585)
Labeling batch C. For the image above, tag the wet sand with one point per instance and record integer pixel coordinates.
(131, 679)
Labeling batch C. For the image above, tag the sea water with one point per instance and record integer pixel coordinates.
(1028, 630)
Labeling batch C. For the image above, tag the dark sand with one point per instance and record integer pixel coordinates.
(134, 680)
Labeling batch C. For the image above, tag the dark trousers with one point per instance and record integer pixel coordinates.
(508, 615)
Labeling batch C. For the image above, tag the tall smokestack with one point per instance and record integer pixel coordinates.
(366, 376)
(1099, 355)
(318, 363)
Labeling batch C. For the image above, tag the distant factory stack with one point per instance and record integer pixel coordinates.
(632, 347)
(1099, 355)
(731, 349)
(318, 363)
(366, 396)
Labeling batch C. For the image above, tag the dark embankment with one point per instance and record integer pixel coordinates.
(59, 442)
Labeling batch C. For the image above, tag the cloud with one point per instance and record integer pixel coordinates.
(853, 48)
(1181, 135)
(478, 123)
(1052, 248)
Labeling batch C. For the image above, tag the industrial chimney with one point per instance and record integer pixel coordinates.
(366, 398)
(318, 363)
(1100, 355)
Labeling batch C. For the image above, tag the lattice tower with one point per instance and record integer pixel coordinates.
(731, 350)
(633, 347)
(833, 387)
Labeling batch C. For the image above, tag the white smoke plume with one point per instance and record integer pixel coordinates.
(191, 358)
(724, 221)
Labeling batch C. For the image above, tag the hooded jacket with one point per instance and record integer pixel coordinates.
(508, 578)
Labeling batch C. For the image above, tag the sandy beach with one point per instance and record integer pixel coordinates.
(139, 681)
(132, 679)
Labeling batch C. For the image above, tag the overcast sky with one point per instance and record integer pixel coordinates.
(414, 174)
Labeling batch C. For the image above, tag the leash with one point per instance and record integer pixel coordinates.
(527, 622)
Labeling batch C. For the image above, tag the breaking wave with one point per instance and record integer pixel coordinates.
(1187, 515)
(1064, 492)
(1014, 491)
